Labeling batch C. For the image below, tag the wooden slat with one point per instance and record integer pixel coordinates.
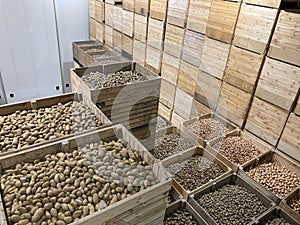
(297, 107)
(117, 40)
(155, 33)
(176, 119)
(250, 36)
(285, 44)
(222, 19)
(266, 121)
(108, 36)
(100, 32)
(128, 5)
(109, 10)
(214, 57)
(187, 77)
(127, 44)
(142, 7)
(183, 103)
(99, 11)
(164, 111)
(198, 15)
(117, 17)
(242, 68)
(158, 9)
(290, 139)
(153, 59)
(140, 27)
(92, 8)
(279, 83)
(93, 27)
(139, 52)
(170, 68)
(113, 1)
(127, 22)
(198, 109)
(192, 47)
(207, 90)
(167, 93)
(233, 104)
(270, 3)
(174, 40)
(177, 12)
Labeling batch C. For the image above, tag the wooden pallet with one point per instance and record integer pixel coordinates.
(153, 59)
(285, 41)
(155, 34)
(199, 109)
(117, 17)
(109, 17)
(177, 12)
(217, 51)
(266, 121)
(269, 3)
(99, 11)
(222, 19)
(158, 9)
(173, 40)
(109, 35)
(167, 93)
(127, 22)
(183, 103)
(128, 5)
(187, 78)
(140, 27)
(192, 47)
(198, 15)
(242, 68)
(139, 52)
(255, 38)
(170, 68)
(278, 83)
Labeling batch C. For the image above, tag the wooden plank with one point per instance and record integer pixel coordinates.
(198, 15)
(100, 32)
(183, 104)
(266, 121)
(93, 27)
(127, 44)
(269, 3)
(113, 1)
(218, 51)
(242, 68)
(233, 104)
(199, 109)
(92, 8)
(164, 111)
(278, 83)
(109, 17)
(170, 68)
(174, 40)
(297, 107)
(139, 52)
(117, 40)
(187, 77)
(158, 9)
(167, 93)
(222, 19)
(127, 22)
(176, 119)
(140, 27)
(108, 36)
(128, 5)
(142, 7)
(99, 11)
(207, 90)
(285, 42)
(117, 17)
(155, 33)
(153, 59)
(290, 139)
(255, 38)
(177, 12)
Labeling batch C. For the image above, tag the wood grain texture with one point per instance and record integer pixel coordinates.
(297, 107)
(108, 36)
(183, 103)
(139, 52)
(127, 22)
(92, 8)
(140, 27)
(279, 83)
(192, 47)
(164, 111)
(290, 139)
(242, 68)
(93, 24)
(153, 59)
(109, 10)
(174, 40)
(99, 11)
(285, 44)
(270, 3)
(128, 5)
(198, 15)
(100, 32)
(222, 19)
(177, 12)
(127, 44)
(117, 40)
(199, 109)
(233, 104)
(117, 17)
(266, 121)
(187, 77)
(254, 27)
(158, 9)
(155, 33)
(167, 93)
(142, 7)
(177, 120)
(207, 90)
(170, 68)
(214, 57)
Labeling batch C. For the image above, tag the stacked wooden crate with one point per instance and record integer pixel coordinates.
(97, 20)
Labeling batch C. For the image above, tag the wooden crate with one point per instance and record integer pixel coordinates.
(93, 27)
(158, 9)
(127, 45)
(117, 41)
(155, 33)
(233, 104)
(266, 121)
(176, 195)
(186, 155)
(285, 41)
(207, 90)
(128, 5)
(109, 16)
(297, 107)
(142, 7)
(199, 109)
(127, 22)
(139, 52)
(255, 38)
(269, 3)
(146, 134)
(153, 59)
(174, 40)
(243, 68)
(46, 103)
(140, 27)
(290, 140)
(187, 78)
(176, 119)
(117, 17)
(278, 83)
(141, 199)
(109, 35)
(99, 11)
(198, 15)
(92, 8)
(167, 93)
(164, 111)
(288, 209)
(183, 103)
(170, 68)
(113, 1)
(217, 51)
(100, 32)
(177, 12)
(79, 46)
(192, 47)
(222, 20)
